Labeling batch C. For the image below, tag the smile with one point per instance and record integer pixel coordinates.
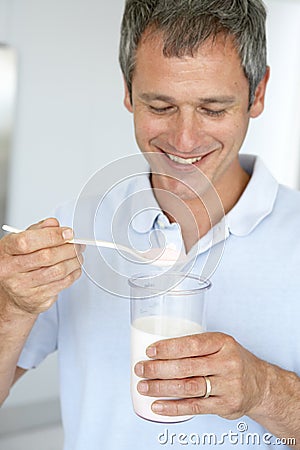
(185, 161)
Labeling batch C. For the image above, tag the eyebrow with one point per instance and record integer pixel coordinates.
(223, 99)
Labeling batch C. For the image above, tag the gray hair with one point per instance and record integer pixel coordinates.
(186, 24)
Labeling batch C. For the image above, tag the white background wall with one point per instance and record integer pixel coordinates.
(276, 134)
(70, 119)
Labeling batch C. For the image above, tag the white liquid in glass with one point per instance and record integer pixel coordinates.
(146, 331)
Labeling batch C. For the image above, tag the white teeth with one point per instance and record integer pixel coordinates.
(183, 160)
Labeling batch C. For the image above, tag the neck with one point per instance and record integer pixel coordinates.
(197, 216)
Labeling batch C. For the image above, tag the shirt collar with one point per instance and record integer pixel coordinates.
(257, 200)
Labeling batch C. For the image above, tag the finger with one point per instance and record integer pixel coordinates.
(186, 407)
(187, 346)
(49, 222)
(185, 388)
(177, 368)
(45, 257)
(32, 240)
(42, 297)
(56, 287)
(47, 275)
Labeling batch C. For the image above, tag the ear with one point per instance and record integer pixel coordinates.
(258, 104)
(127, 101)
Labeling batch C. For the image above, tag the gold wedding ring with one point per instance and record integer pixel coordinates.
(208, 387)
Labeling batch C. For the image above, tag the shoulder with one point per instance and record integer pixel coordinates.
(287, 201)
(284, 221)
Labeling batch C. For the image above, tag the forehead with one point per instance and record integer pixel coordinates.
(216, 59)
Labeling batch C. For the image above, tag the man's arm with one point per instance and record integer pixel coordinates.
(14, 329)
(18, 374)
(242, 384)
(35, 266)
(279, 410)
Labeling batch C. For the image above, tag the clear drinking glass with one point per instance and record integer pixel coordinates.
(163, 305)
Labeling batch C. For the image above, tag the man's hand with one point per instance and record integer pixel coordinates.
(241, 383)
(35, 265)
(239, 380)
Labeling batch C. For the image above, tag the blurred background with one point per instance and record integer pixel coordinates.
(62, 118)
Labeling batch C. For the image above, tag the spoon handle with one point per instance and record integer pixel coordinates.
(94, 242)
(11, 229)
(106, 244)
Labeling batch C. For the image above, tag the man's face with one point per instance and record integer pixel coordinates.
(191, 113)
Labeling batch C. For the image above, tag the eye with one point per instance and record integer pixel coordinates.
(163, 110)
(213, 112)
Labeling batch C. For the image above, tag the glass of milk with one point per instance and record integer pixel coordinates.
(163, 305)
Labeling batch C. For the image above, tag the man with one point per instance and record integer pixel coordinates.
(195, 73)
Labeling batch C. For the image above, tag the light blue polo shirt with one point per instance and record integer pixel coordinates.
(254, 298)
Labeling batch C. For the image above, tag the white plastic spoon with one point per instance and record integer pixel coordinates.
(156, 256)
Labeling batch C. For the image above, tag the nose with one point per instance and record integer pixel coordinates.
(185, 132)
